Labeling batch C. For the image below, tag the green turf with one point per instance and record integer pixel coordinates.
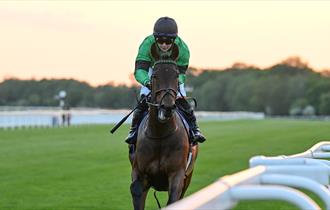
(87, 168)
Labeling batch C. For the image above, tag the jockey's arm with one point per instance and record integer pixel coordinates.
(141, 71)
(182, 73)
(183, 60)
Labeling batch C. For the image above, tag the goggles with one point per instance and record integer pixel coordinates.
(166, 40)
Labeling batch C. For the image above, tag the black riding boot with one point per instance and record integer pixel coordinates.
(137, 117)
(190, 116)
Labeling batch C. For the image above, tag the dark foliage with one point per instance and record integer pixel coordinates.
(285, 88)
(14, 92)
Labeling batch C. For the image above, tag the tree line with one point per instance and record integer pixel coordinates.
(288, 88)
(16, 92)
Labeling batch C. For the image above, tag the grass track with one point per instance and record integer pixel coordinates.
(87, 167)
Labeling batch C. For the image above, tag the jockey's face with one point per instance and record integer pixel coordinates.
(164, 43)
(164, 47)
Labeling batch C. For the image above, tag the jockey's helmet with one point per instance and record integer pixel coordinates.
(165, 27)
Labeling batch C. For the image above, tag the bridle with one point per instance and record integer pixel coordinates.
(168, 91)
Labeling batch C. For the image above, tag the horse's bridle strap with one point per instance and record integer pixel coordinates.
(153, 104)
(167, 91)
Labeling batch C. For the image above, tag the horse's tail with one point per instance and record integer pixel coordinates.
(157, 200)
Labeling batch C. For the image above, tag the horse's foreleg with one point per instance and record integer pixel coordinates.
(176, 183)
(139, 191)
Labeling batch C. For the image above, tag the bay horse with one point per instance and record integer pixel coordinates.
(162, 149)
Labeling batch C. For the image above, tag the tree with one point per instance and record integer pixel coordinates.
(295, 61)
(325, 104)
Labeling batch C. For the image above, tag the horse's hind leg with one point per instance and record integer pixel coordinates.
(139, 191)
(186, 184)
(176, 183)
(187, 180)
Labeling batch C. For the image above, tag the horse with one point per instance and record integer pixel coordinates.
(162, 149)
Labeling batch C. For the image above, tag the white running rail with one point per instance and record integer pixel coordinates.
(269, 178)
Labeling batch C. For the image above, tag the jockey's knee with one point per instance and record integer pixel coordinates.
(184, 104)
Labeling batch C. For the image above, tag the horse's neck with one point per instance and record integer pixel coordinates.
(157, 128)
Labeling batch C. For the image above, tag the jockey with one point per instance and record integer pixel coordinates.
(165, 36)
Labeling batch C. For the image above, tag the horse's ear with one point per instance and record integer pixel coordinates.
(154, 52)
(175, 52)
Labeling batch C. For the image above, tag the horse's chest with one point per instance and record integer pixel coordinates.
(155, 158)
(163, 164)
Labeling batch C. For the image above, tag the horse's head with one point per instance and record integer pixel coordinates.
(164, 82)
(164, 88)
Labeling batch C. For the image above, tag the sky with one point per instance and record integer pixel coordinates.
(97, 41)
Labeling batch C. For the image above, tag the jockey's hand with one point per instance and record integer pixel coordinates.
(148, 85)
